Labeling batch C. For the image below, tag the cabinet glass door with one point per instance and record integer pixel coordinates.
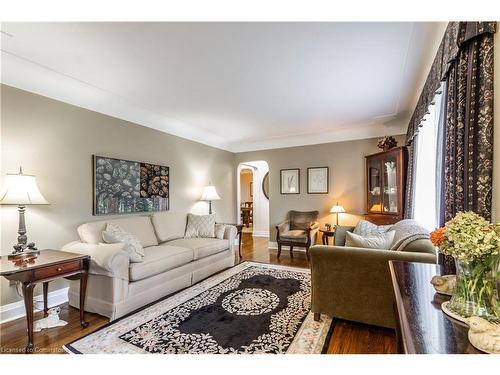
(390, 190)
(374, 185)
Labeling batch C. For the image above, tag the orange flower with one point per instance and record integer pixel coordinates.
(438, 236)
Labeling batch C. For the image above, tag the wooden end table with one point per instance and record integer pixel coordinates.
(421, 326)
(327, 233)
(49, 265)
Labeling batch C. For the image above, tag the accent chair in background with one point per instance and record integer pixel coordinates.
(299, 230)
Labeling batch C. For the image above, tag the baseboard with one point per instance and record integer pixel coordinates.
(260, 233)
(274, 246)
(16, 309)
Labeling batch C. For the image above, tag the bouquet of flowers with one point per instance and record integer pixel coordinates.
(474, 244)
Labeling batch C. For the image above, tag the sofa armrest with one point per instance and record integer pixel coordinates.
(106, 259)
(230, 233)
(355, 283)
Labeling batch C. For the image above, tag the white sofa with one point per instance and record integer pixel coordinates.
(116, 287)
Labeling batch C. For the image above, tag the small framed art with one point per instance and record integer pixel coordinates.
(290, 181)
(317, 180)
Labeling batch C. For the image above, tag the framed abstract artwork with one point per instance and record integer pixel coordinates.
(124, 186)
(317, 180)
(290, 181)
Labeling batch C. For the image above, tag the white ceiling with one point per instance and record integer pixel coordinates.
(236, 86)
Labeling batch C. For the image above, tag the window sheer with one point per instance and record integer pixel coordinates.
(427, 193)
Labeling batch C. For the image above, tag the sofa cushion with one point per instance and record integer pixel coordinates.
(374, 241)
(295, 235)
(115, 234)
(202, 226)
(158, 259)
(366, 228)
(340, 234)
(140, 226)
(169, 225)
(220, 230)
(202, 247)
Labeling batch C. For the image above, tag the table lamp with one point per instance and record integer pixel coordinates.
(337, 209)
(209, 194)
(21, 190)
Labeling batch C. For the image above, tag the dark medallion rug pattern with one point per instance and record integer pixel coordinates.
(256, 310)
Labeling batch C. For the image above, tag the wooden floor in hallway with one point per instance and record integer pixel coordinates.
(347, 337)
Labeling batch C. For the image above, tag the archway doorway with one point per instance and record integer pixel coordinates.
(253, 197)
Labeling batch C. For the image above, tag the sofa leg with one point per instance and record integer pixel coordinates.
(291, 252)
(279, 250)
(317, 317)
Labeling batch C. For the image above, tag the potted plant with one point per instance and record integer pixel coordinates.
(474, 244)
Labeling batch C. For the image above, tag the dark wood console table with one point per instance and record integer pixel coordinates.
(422, 328)
(47, 266)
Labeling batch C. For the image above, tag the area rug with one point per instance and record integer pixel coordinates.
(250, 308)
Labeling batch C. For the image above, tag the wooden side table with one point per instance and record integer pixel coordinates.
(49, 265)
(327, 233)
(421, 326)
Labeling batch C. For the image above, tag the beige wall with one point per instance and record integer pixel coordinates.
(347, 178)
(55, 141)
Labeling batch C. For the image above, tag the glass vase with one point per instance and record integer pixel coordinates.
(477, 289)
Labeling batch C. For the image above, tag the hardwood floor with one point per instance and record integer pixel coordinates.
(347, 337)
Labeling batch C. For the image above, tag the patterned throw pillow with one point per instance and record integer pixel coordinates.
(115, 234)
(365, 228)
(219, 231)
(200, 226)
(374, 241)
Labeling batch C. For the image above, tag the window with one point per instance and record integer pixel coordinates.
(426, 208)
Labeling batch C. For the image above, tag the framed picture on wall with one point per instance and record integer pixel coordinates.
(124, 186)
(251, 189)
(290, 181)
(317, 180)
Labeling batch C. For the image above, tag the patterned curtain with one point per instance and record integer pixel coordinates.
(465, 60)
(468, 165)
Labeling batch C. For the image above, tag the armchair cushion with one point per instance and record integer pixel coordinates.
(295, 235)
(302, 220)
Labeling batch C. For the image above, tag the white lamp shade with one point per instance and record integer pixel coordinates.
(21, 189)
(337, 209)
(209, 194)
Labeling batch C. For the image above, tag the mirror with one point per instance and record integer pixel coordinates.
(265, 185)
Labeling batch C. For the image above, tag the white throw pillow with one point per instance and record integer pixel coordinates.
(219, 231)
(365, 228)
(200, 226)
(375, 241)
(132, 245)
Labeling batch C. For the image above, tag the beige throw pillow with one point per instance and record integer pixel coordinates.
(200, 226)
(374, 241)
(132, 245)
(219, 231)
